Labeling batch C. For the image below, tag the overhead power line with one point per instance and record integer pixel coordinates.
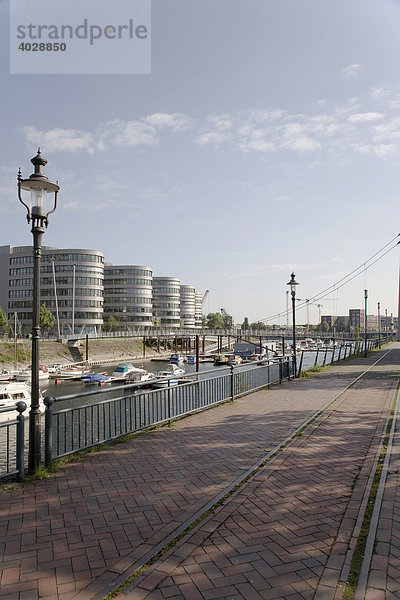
(343, 280)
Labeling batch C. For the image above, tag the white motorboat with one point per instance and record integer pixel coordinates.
(164, 379)
(72, 372)
(11, 393)
(26, 375)
(122, 371)
(173, 369)
(139, 376)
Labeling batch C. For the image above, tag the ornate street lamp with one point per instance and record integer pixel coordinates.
(379, 324)
(40, 188)
(292, 283)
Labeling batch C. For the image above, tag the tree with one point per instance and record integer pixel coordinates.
(258, 326)
(46, 318)
(4, 327)
(110, 323)
(325, 327)
(356, 332)
(245, 324)
(215, 321)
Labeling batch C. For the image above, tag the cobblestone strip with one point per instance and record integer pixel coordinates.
(286, 532)
(384, 575)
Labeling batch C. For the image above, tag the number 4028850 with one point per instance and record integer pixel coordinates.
(42, 47)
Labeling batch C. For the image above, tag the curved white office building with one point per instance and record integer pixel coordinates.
(71, 286)
(166, 301)
(188, 306)
(198, 310)
(128, 295)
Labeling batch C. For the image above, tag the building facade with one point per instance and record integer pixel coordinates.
(198, 310)
(188, 306)
(71, 286)
(128, 295)
(166, 302)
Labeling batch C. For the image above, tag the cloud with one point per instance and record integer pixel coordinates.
(365, 117)
(174, 121)
(131, 133)
(70, 140)
(352, 71)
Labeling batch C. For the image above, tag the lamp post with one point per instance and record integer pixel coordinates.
(39, 187)
(292, 283)
(379, 324)
(365, 321)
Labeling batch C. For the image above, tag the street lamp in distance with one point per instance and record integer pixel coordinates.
(365, 321)
(42, 203)
(292, 283)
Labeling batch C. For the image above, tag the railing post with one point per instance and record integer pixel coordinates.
(300, 365)
(333, 355)
(280, 370)
(324, 363)
(169, 402)
(48, 431)
(316, 358)
(19, 458)
(232, 383)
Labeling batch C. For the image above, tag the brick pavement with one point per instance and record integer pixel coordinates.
(70, 535)
(285, 534)
(384, 575)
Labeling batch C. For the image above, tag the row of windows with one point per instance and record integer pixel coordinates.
(70, 269)
(162, 305)
(69, 292)
(20, 282)
(167, 291)
(136, 318)
(18, 304)
(74, 257)
(141, 272)
(127, 300)
(21, 271)
(123, 309)
(129, 281)
(23, 260)
(69, 281)
(78, 304)
(64, 316)
(58, 269)
(20, 293)
(130, 291)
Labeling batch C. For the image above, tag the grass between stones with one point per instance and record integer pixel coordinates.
(358, 555)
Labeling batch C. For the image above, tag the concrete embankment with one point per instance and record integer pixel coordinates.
(104, 351)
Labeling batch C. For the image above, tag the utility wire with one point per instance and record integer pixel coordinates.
(342, 281)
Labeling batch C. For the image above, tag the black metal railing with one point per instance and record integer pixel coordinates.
(108, 413)
(12, 451)
(135, 408)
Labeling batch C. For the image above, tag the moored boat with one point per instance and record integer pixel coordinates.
(96, 378)
(11, 393)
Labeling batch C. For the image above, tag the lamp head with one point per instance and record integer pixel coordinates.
(39, 187)
(292, 283)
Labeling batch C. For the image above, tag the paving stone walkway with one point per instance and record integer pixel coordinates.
(282, 534)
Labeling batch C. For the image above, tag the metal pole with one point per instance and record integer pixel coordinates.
(34, 455)
(379, 324)
(294, 335)
(287, 309)
(55, 298)
(365, 321)
(15, 343)
(197, 353)
(73, 301)
(398, 312)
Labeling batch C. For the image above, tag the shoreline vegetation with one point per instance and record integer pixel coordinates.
(105, 351)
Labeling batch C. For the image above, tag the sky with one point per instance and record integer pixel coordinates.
(265, 139)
